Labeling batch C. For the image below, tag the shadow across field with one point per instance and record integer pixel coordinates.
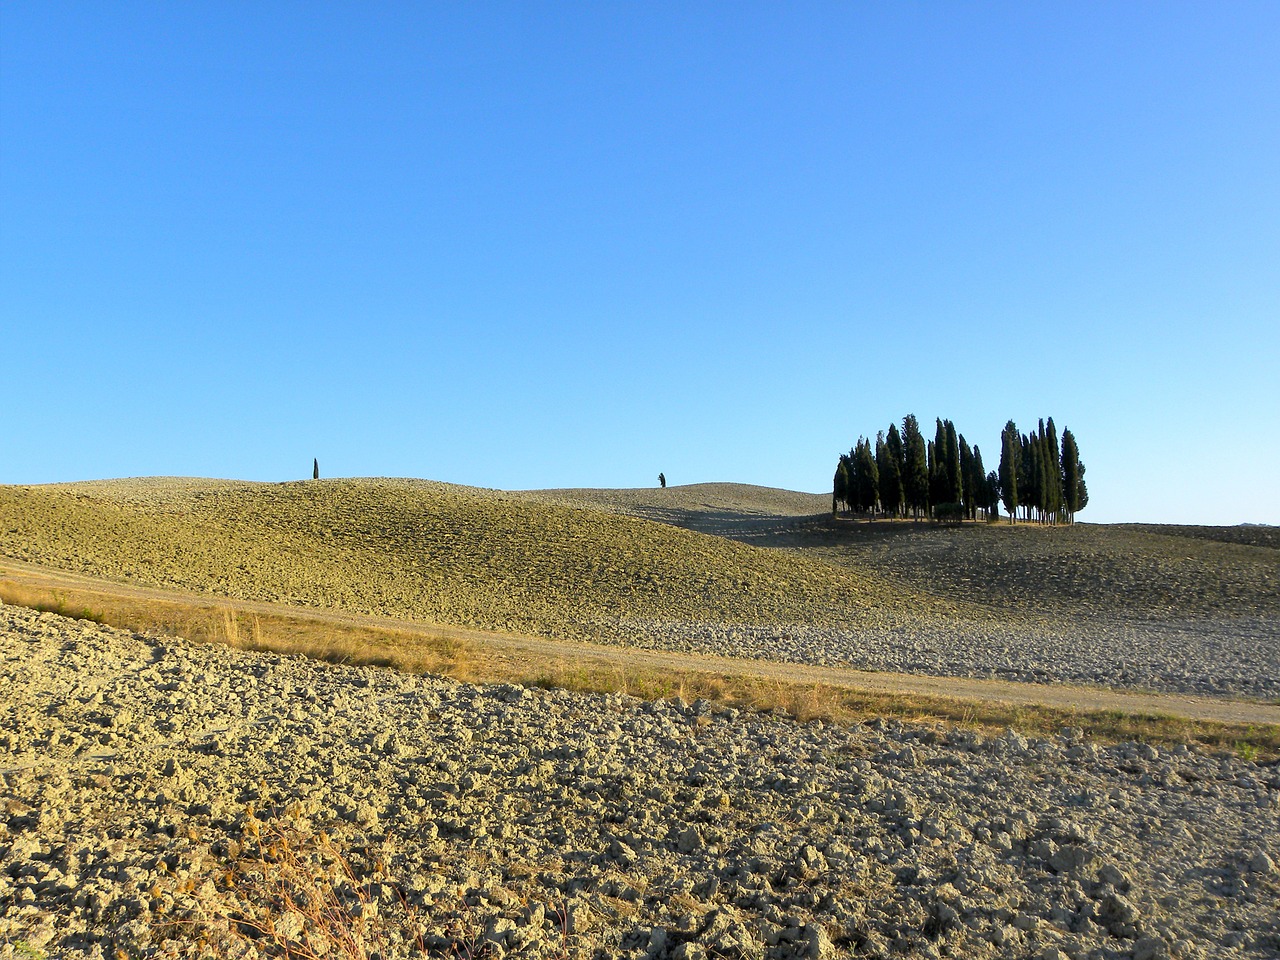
(1085, 570)
(1141, 571)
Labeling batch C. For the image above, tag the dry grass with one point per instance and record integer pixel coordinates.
(419, 651)
(415, 651)
(286, 890)
(838, 704)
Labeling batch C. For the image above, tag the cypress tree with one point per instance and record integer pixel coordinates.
(840, 484)
(854, 502)
(890, 475)
(968, 488)
(1070, 475)
(1053, 473)
(983, 492)
(855, 483)
(893, 443)
(931, 452)
(1075, 494)
(1026, 477)
(978, 481)
(939, 477)
(1010, 462)
(915, 478)
(1048, 475)
(955, 476)
(868, 477)
(1043, 469)
(992, 501)
(1038, 473)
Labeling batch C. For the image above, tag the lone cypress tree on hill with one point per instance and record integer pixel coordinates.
(315, 469)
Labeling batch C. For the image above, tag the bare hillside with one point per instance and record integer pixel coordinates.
(1131, 570)
(427, 551)
(740, 511)
(1085, 570)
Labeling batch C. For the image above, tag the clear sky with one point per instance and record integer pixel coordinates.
(574, 244)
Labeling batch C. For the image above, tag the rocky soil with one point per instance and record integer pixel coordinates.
(1238, 657)
(145, 783)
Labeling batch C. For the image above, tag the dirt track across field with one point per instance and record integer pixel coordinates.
(508, 647)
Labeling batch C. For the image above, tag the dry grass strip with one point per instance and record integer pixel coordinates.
(421, 651)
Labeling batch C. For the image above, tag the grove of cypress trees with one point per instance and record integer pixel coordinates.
(903, 471)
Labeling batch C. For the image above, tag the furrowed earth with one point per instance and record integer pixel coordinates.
(169, 798)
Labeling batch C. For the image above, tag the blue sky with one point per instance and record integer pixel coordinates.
(574, 244)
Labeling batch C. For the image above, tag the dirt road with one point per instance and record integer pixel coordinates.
(510, 647)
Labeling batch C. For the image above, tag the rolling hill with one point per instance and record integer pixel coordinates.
(431, 552)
